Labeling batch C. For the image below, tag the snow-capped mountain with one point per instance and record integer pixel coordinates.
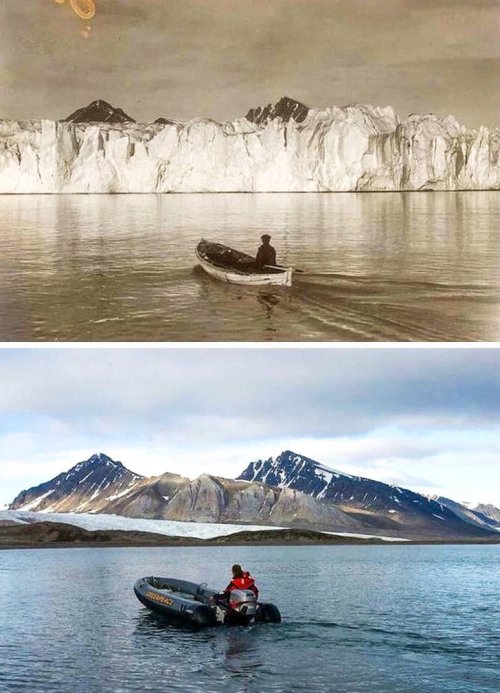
(282, 147)
(287, 491)
(89, 486)
(101, 485)
(99, 111)
(379, 504)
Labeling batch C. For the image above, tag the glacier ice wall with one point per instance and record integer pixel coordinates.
(355, 148)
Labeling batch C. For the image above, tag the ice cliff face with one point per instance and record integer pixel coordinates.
(286, 147)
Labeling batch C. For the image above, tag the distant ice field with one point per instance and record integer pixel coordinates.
(171, 528)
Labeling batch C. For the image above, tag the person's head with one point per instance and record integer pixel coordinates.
(266, 238)
(237, 571)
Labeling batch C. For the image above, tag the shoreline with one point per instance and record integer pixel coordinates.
(62, 536)
(181, 545)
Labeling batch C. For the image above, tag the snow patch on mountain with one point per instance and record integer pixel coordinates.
(385, 505)
(36, 502)
(77, 489)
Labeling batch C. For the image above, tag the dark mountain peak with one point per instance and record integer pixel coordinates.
(83, 482)
(395, 506)
(286, 109)
(99, 111)
(288, 468)
(291, 457)
(164, 121)
(95, 461)
(102, 458)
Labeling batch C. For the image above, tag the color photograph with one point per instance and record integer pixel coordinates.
(256, 520)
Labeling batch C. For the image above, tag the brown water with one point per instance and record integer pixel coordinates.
(377, 267)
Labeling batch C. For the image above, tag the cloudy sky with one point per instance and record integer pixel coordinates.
(216, 58)
(427, 419)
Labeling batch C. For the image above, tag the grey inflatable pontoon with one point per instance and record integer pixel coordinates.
(198, 605)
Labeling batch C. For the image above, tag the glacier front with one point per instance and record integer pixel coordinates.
(354, 148)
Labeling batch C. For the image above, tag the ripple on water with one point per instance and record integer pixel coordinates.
(377, 267)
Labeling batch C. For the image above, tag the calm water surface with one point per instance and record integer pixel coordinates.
(376, 267)
(356, 619)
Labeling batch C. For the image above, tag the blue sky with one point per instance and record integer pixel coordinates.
(424, 418)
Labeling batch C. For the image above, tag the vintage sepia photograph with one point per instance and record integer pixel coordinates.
(249, 170)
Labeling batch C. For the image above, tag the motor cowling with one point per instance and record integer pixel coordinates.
(243, 602)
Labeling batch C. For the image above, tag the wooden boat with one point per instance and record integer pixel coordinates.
(236, 267)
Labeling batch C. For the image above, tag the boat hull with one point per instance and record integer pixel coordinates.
(233, 275)
(190, 604)
(177, 600)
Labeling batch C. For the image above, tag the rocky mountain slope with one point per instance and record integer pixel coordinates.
(282, 147)
(480, 516)
(102, 485)
(89, 486)
(375, 503)
(488, 513)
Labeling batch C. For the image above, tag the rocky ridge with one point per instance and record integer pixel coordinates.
(102, 485)
(290, 490)
(373, 502)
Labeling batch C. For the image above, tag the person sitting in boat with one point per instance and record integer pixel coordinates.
(266, 254)
(241, 580)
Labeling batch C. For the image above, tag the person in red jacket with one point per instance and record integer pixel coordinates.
(241, 581)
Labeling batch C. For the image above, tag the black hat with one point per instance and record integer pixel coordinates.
(265, 236)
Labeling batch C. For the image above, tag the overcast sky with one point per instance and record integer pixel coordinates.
(216, 58)
(427, 419)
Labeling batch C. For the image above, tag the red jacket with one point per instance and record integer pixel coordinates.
(246, 582)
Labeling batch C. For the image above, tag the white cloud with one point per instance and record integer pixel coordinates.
(419, 418)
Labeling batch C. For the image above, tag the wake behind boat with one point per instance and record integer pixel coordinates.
(192, 604)
(235, 267)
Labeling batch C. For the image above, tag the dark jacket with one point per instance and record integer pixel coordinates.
(266, 255)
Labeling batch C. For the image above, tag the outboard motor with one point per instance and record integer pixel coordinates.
(242, 606)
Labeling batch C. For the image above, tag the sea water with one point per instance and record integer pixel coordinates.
(374, 619)
(376, 267)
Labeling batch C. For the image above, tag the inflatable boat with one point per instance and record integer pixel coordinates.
(197, 605)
